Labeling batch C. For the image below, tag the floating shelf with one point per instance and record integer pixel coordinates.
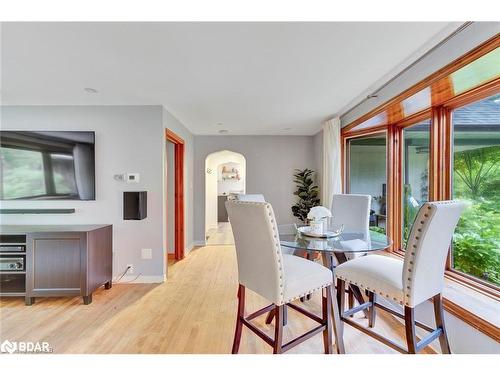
(37, 210)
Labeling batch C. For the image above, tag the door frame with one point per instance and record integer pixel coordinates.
(178, 193)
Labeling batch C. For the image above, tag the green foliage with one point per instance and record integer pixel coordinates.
(409, 213)
(475, 168)
(476, 243)
(377, 229)
(307, 193)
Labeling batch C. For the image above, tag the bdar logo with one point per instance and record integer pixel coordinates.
(8, 347)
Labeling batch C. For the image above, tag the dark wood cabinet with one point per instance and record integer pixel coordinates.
(222, 216)
(65, 260)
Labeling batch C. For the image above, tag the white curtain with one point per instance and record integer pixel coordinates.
(332, 179)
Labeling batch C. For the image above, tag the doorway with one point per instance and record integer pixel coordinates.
(225, 174)
(174, 195)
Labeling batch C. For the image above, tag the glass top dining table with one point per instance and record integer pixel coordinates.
(347, 242)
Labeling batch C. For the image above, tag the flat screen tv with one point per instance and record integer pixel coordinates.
(47, 165)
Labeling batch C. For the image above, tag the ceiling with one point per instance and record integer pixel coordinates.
(247, 78)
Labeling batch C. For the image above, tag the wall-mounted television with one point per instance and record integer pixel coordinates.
(47, 165)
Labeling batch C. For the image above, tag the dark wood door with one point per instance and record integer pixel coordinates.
(59, 264)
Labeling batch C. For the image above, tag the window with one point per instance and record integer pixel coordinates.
(368, 174)
(476, 179)
(415, 173)
(22, 173)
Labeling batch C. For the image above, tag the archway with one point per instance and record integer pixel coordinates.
(225, 174)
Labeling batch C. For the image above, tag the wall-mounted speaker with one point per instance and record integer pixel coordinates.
(135, 205)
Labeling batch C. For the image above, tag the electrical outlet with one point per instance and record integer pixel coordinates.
(146, 253)
(130, 268)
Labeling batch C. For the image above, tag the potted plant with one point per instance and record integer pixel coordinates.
(307, 193)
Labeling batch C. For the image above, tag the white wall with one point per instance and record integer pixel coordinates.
(128, 139)
(318, 158)
(270, 164)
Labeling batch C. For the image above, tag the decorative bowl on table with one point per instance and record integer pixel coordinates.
(307, 231)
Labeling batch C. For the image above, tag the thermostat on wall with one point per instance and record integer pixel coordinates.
(132, 177)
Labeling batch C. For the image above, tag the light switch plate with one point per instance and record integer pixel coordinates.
(133, 178)
(146, 253)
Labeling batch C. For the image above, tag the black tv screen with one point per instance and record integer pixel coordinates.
(44, 165)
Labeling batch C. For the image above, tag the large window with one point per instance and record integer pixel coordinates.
(476, 179)
(415, 173)
(368, 174)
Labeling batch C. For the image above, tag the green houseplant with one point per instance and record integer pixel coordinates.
(307, 193)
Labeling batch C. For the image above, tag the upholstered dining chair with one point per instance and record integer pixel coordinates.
(409, 282)
(278, 277)
(353, 212)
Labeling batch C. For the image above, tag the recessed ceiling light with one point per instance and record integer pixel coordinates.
(90, 90)
(223, 131)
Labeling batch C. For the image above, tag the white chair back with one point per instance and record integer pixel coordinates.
(250, 197)
(352, 211)
(427, 249)
(258, 250)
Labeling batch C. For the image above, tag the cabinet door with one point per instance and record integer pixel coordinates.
(55, 264)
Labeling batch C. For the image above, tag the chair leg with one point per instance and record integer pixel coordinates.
(341, 298)
(411, 338)
(350, 296)
(239, 319)
(278, 329)
(372, 314)
(439, 315)
(327, 320)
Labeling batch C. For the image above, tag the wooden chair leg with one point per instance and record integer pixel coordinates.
(439, 315)
(411, 338)
(341, 297)
(350, 296)
(372, 312)
(239, 319)
(278, 330)
(327, 320)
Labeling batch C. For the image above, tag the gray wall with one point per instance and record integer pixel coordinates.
(270, 164)
(128, 139)
(170, 122)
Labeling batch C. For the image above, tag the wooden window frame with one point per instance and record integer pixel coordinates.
(440, 166)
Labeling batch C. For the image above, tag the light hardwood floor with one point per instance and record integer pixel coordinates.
(193, 312)
(222, 235)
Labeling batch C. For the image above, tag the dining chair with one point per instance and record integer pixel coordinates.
(353, 212)
(278, 277)
(409, 282)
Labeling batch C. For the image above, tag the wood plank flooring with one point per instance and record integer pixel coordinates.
(193, 312)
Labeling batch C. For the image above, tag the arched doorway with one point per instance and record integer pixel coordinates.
(225, 174)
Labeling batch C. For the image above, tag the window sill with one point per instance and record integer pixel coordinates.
(472, 306)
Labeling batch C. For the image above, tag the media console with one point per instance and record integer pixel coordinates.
(55, 260)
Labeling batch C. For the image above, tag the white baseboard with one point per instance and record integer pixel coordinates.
(143, 279)
(199, 243)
